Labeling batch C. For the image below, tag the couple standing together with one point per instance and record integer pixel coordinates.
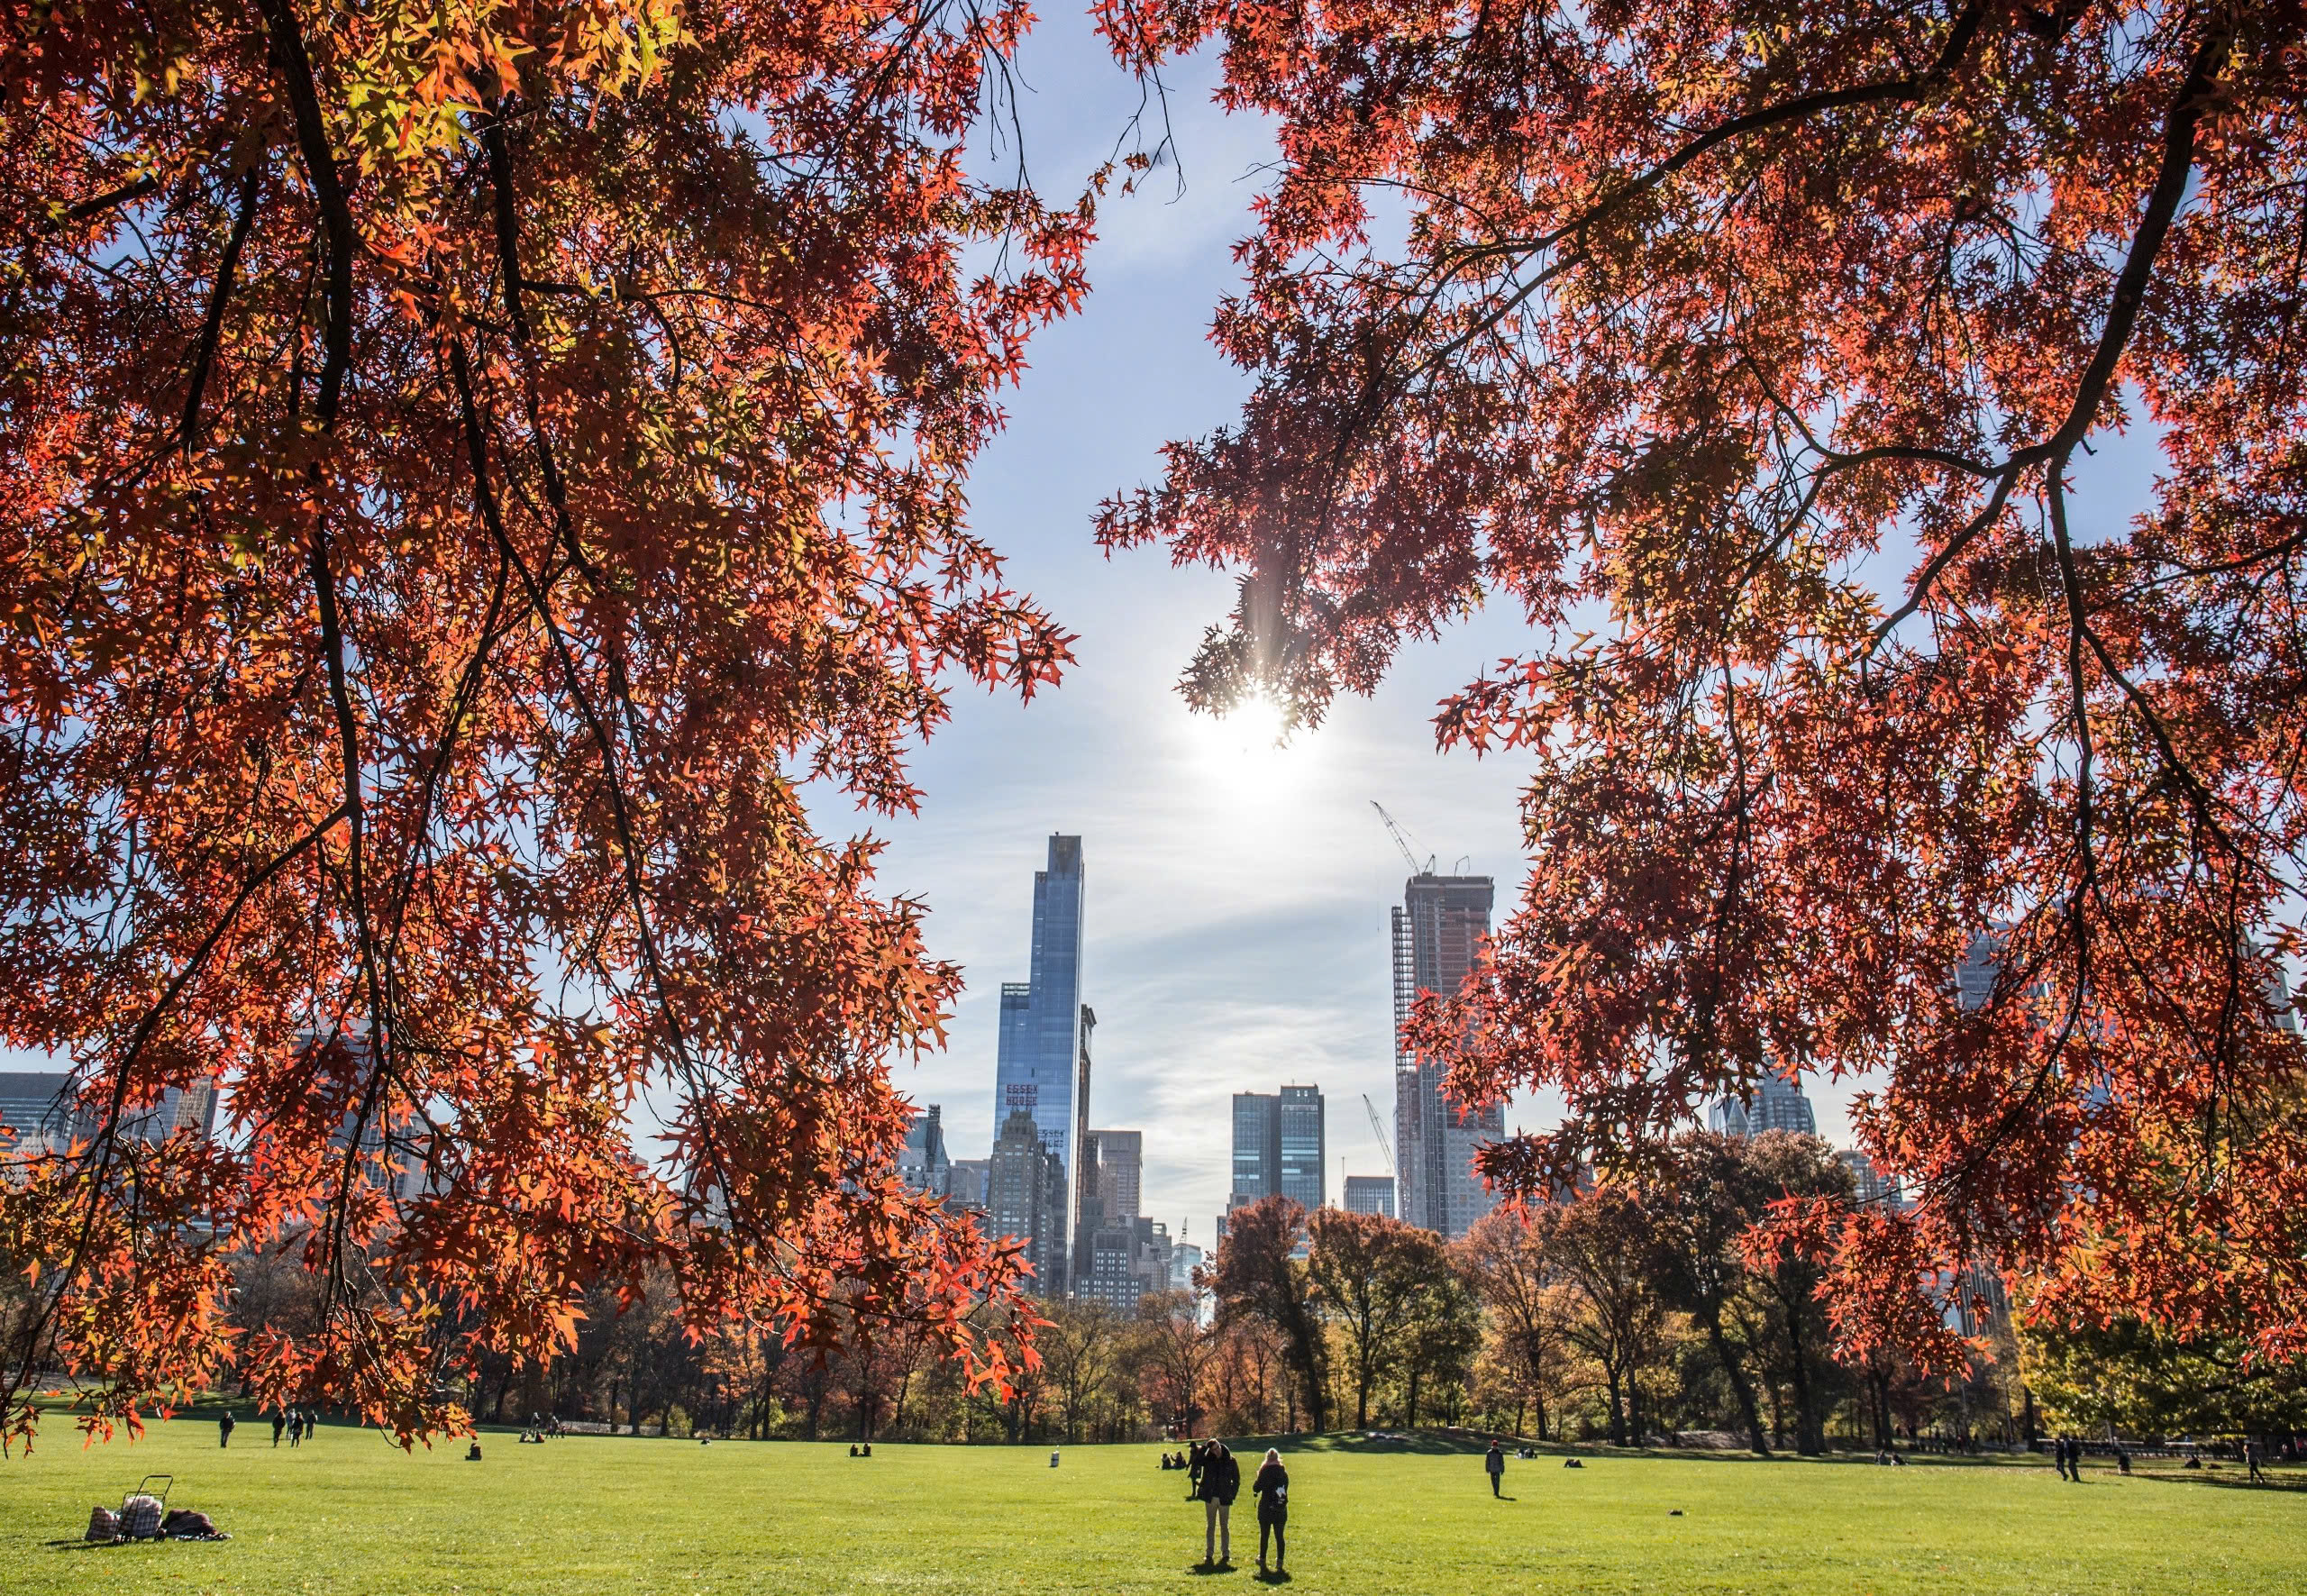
(1218, 1481)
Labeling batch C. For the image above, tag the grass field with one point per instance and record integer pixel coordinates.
(348, 1513)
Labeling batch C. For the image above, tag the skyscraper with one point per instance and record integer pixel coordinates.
(1438, 930)
(1121, 1172)
(1370, 1194)
(42, 1109)
(1777, 1104)
(967, 1181)
(1280, 1147)
(923, 1163)
(1026, 1198)
(1302, 1172)
(1257, 1148)
(1042, 1048)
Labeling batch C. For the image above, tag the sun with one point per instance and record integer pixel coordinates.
(1247, 754)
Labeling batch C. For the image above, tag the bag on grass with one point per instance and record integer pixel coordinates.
(104, 1525)
(139, 1517)
(184, 1524)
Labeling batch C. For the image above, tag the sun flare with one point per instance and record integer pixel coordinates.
(1248, 753)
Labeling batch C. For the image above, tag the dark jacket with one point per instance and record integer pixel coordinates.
(1271, 1488)
(1494, 1461)
(1221, 1476)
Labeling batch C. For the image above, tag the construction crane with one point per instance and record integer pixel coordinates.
(1402, 842)
(1378, 1129)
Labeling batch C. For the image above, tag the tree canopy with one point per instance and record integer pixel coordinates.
(466, 469)
(1758, 355)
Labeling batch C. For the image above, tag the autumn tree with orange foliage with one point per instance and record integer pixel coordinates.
(466, 470)
(1756, 354)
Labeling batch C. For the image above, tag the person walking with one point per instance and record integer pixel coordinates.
(1221, 1482)
(279, 1423)
(1193, 1472)
(1493, 1462)
(224, 1429)
(1272, 1490)
(2252, 1458)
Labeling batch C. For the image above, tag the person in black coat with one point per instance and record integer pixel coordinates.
(1271, 1489)
(1193, 1472)
(1220, 1483)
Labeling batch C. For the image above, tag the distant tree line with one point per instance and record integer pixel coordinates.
(1632, 1313)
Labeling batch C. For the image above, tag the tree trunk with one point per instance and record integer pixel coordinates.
(1617, 1406)
(1740, 1386)
(1806, 1425)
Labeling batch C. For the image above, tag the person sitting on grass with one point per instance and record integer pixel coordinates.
(1271, 1489)
(1221, 1482)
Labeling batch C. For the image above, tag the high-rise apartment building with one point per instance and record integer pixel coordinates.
(923, 1163)
(1086, 1215)
(1777, 1103)
(1044, 1058)
(1438, 930)
(1870, 1184)
(39, 1111)
(1026, 1199)
(1184, 1259)
(968, 1181)
(1279, 1147)
(1121, 1173)
(42, 1112)
(1370, 1194)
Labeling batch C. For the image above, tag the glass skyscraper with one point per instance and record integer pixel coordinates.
(1041, 1041)
(1776, 1103)
(1297, 1114)
(1279, 1147)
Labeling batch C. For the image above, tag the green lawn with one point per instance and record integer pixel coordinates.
(348, 1513)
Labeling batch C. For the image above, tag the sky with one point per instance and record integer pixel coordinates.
(1237, 926)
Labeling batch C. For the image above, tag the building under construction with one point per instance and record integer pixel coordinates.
(1438, 929)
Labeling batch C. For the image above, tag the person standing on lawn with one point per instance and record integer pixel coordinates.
(1221, 1482)
(224, 1422)
(1493, 1462)
(1271, 1489)
(279, 1423)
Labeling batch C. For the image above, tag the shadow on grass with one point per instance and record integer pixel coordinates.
(2284, 1483)
(1468, 1444)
